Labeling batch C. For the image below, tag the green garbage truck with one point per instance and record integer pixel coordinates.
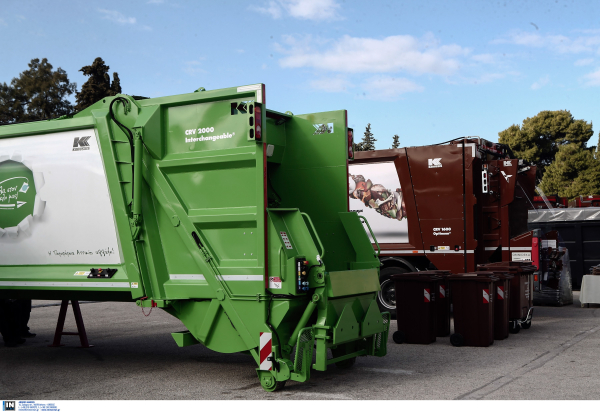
(229, 216)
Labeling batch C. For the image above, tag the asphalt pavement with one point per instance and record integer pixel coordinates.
(134, 357)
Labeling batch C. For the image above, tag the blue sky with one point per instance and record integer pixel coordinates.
(428, 71)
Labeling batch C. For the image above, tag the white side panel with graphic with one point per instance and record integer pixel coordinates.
(72, 221)
(383, 197)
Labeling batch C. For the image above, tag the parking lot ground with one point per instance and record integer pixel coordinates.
(135, 358)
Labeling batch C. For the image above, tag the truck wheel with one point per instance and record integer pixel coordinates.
(514, 327)
(456, 339)
(399, 337)
(269, 384)
(386, 297)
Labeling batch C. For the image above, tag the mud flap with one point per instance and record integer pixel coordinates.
(304, 355)
(379, 344)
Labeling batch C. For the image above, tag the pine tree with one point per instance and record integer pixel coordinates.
(39, 93)
(574, 172)
(540, 137)
(98, 86)
(368, 141)
(396, 142)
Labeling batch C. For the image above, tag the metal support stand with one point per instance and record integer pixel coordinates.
(60, 324)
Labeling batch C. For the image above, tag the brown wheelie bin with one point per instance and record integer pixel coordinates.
(415, 307)
(473, 301)
(501, 304)
(521, 291)
(442, 304)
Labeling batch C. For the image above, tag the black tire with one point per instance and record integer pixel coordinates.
(456, 339)
(345, 364)
(514, 327)
(386, 297)
(399, 337)
(526, 325)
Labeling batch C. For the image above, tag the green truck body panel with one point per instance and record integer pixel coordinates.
(231, 217)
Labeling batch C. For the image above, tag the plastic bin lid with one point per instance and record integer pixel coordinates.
(475, 277)
(433, 272)
(499, 272)
(419, 276)
(511, 267)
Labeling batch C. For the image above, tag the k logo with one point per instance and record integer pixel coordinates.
(81, 143)
(437, 162)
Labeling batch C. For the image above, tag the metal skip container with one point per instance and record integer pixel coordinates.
(207, 205)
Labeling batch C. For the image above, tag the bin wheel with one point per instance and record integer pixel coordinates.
(526, 325)
(346, 363)
(269, 384)
(456, 339)
(399, 337)
(514, 327)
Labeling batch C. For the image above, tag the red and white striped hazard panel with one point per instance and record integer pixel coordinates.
(266, 351)
(486, 296)
(427, 296)
(442, 291)
(501, 292)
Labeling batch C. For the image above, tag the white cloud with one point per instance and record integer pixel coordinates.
(583, 62)
(486, 58)
(487, 78)
(301, 9)
(589, 43)
(368, 55)
(540, 83)
(193, 67)
(388, 88)
(592, 79)
(273, 9)
(117, 17)
(336, 84)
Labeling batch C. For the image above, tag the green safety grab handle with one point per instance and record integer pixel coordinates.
(372, 234)
(316, 234)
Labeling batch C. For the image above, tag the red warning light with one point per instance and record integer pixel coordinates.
(350, 144)
(257, 122)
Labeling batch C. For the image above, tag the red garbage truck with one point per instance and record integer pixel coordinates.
(447, 206)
